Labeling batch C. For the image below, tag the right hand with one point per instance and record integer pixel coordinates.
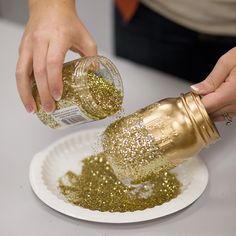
(219, 88)
(53, 28)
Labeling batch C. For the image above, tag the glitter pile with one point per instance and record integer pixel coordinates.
(130, 174)
(94, 96)
(98, 188)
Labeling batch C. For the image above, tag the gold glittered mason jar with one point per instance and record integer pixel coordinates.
(92, 90)
(159, 136)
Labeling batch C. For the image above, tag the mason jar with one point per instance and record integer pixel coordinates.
(159, 136)
(92, 90)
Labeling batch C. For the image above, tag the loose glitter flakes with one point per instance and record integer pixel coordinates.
(132, 152)
(106, 96)
(98, 188)
(130, 174)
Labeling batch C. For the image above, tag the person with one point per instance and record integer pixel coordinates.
(54, 28)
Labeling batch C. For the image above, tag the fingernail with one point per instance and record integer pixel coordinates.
(48, 108)
(29, 108)
(195, 87)
(56, 95)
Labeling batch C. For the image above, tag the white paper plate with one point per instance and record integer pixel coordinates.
(66, 154)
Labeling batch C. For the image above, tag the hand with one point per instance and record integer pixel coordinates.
(53, 28)
(219, 88)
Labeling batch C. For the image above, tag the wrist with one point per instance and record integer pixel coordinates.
(37, 5)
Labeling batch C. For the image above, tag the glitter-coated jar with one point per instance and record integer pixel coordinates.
(181, 126)
(160, 136)
(92, 90)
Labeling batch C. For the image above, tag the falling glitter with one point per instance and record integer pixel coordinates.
(98, 188)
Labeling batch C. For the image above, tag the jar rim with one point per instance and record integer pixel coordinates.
(81, 68)
(198, 113)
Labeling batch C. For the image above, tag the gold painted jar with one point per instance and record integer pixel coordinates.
(158, 137)
(92, 90)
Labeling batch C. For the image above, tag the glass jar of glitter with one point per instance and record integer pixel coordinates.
(158, 137)
(92, 90)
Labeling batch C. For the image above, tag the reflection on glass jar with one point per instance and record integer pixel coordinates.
(92, 90)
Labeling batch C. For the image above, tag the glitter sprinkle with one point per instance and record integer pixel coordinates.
(98, 188)
(132, 151)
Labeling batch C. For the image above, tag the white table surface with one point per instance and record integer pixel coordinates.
(22, 135)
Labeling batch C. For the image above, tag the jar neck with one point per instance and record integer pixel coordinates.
(200, 118)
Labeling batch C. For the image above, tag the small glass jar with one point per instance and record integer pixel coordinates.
(159, 136)
(92, 90)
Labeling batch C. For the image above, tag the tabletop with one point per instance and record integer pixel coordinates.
(22, 135)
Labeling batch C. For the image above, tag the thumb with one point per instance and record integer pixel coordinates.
(217, 76)
(206, 86)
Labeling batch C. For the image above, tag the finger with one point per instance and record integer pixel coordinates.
(88, 48)
(40, 74)
(84, 43)
(23, 81)
(218, 118)
(224, 95)
(55, 59)
(213, 101)
(230, 109)
(222, 118)
(218, 75)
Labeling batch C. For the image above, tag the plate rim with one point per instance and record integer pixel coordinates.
(51, 200)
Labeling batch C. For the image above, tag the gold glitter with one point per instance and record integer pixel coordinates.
(132, 172)
(132, 151)
(105, 95)
(98, 188)
(91, 93)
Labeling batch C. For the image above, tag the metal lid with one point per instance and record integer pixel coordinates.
(200, 117)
